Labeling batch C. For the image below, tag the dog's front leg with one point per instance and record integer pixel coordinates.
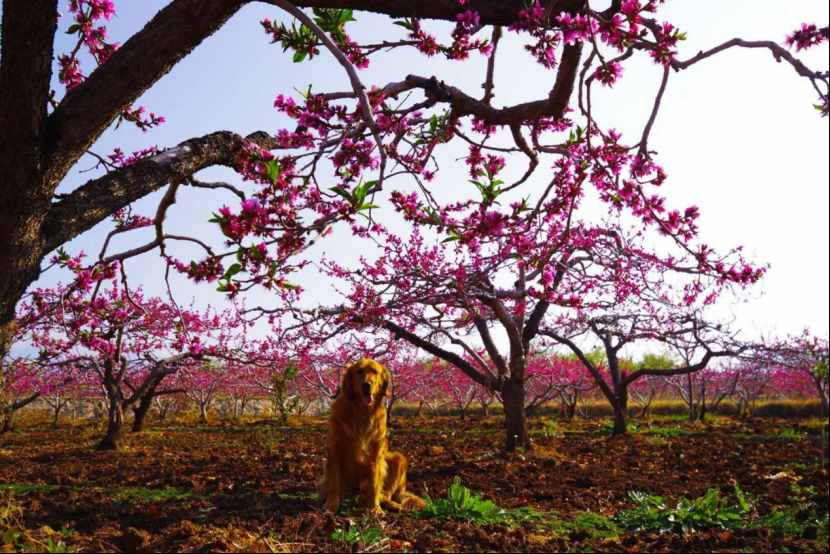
(377, 476)
(376, 491)
(333, 485)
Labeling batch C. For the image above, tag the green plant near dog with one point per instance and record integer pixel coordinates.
(463, 504)
(358, 535)
(710, 511)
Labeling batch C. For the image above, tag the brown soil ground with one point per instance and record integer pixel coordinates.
(250, 486)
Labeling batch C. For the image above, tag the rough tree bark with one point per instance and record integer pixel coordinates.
(515, 417)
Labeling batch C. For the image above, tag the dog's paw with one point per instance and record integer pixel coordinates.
(376, 511)
(332, 507)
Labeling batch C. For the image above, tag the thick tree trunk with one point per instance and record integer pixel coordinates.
(115, 423)
(8, 423)
(203, 412)
(570, 410)
(140, 413)
(515, 417)
(620, 405)
(56, 414)
(28, 29)
(821, 388)
(619, 419)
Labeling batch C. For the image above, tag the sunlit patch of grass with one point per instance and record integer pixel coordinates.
(549, 428)
(581, 525)
(671, 417)
(657, 441)
(814, 423)
(607, 427)
(665, 432)
(312, 496)
(597, 526)
(119, 494)
(145, 495)
(24, 488)
(788, 434)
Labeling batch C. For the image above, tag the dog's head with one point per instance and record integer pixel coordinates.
(366, 383)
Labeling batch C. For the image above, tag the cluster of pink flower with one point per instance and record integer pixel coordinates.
(807, 36)
(93, 37)
(141, 120)
(467, 23)
(119, 159)
(125, 221)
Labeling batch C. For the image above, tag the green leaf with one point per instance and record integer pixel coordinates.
(362, 190)
(454, 236)
(272, 168)
(73, 29)
(231, 271)
(342, 192)
(299, 56)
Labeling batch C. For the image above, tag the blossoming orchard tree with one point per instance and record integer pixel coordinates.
(651, 299)
(801, 357)
(129, 343)
(703, 391)
(555, 376)
(375, 134)
(22, 382)
(524, 271)
(616, 331)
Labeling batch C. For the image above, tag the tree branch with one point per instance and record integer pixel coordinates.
(464, 104)
(87, 110)
(99, 198)
(446, 355)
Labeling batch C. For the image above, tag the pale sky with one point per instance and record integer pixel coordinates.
(737, 135)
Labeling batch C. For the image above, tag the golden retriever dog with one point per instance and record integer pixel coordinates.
(359, 460)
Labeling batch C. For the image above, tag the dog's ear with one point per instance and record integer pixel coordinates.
(346, 386)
